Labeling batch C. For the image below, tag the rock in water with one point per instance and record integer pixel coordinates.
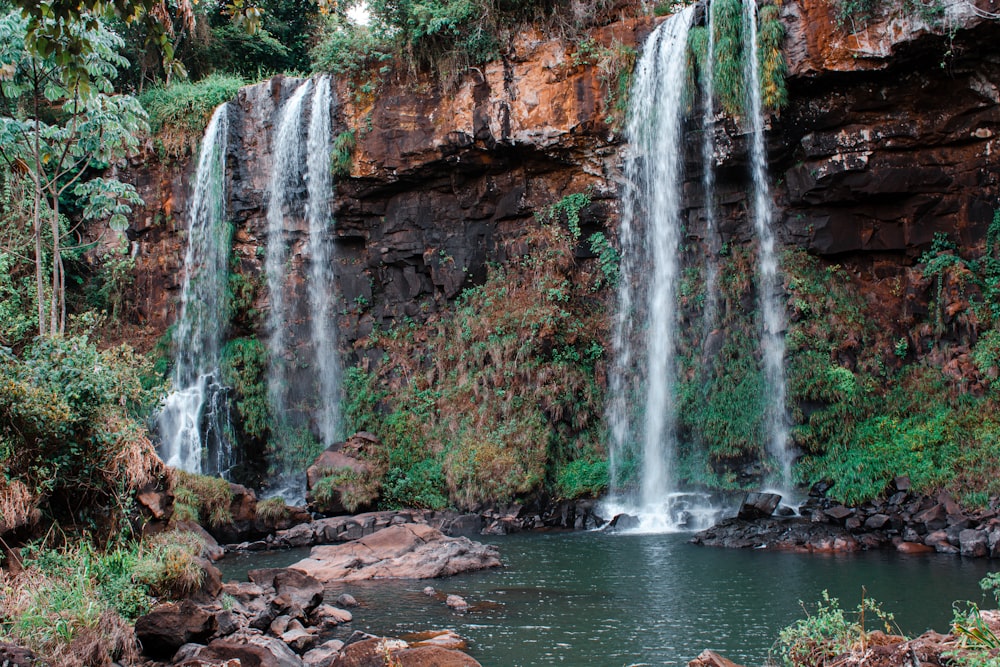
(758, 505)
(711, 659)
(407, 551)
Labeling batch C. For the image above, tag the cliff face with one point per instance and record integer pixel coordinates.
(889, 138)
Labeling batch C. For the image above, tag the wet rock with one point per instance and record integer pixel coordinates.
(624, 522)
(974, 543)
(711, 659)
(758, 505)
(429, 591)
(877, 521)
(411, 551)
(914, 548)
(378, 652)
(169, 626)
(933, 519)
(294, 589)
(328, 616)
(457, 602)
(442, 638)
(346, 600)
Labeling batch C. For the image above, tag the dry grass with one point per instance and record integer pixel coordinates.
(17, 504)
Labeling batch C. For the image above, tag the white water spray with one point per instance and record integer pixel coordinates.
(645, 330)
(769, 286)
(711, 312)
(321, 279)
(193, 417)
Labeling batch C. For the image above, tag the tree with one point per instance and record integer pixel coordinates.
(60, 125)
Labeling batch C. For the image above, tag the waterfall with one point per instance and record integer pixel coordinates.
(711, 311)
(321, 282)
(644, 336)
(769, 297)
(286, 174)
(193, 418)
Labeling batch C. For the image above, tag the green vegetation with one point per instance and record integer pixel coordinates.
(496, 399)
(244, 370)
(856, 14)
(205, 500)
(354, 490)
(343, 154)
(179, 113)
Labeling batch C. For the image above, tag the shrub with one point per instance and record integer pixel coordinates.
(203, 499)
(244, 370)
(179, 113)
(272, 510)
(169, 565)
(583, 477)
(354, 490)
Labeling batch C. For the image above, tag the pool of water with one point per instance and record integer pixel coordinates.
(600, 600)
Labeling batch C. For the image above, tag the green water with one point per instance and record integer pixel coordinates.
(598, 600)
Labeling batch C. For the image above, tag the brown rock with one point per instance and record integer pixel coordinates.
(442, 638)
(250, 650)
(374, 652)
(711, 659)
(758, 505)
(169, 626)
(913, 548)
(408, 551)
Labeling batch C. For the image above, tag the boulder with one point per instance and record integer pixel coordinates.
(442, 638)
(379, 652)
(758, 505)
(169, 626)
(711, 659)
(322, 655)
(913, 548)
(624, 522)
(329, 616)
(346, 600)
(299, 639)
(839, 513)
(293, 588)
(251, 650)
(457, 602)
(408, 551)
(974, 543)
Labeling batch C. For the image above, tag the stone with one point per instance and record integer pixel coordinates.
(169, 626)
(299, 639)
(279, 625)
(974, 543)
(13, 655)
(225, 623)
(709, 658)
(379, 652)
(624, 522)
(409, 551)
(914, 548)
(322, 655)
(902, 483)
(429, 591)
(442, 638)
(839, 512)
(328, 616)
(457, 602)
(346, 600)
(251, 650)
(876, 521)
(933, 519)
(758, 505)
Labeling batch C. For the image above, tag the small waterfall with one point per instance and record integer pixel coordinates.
(770, 302)
(321, 279)
(711, 311)
(644, 338)
(286, 174)
(193, 419)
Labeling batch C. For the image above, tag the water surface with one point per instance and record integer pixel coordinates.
(598, 600)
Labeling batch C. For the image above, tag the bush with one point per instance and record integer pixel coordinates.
(179, 113)
(583, 477)
(202, 499)
(169, 565)
(352, 489)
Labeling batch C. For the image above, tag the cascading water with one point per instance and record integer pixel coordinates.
(645, 329)
(772, 315)
(321, 279)
(192, 421)
(286, 175)
(710, 314)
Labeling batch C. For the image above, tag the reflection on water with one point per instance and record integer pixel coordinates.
(598, 600)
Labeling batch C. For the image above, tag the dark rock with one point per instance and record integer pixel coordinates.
(876, 521)
(13, 655)
(933, 519)
(819, 489)
(225, 623)
(624, 522)
(373, 652)
(974, 543)
(346, 600)
(250, 650)
(839, 512)
(758, 505)
(296, 589)
(902, 483)
(169, 626)
(853, 523)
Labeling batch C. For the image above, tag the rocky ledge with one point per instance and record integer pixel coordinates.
(906, 522)
(406, 551)
(279, 618)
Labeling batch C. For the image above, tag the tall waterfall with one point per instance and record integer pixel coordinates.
(712, 246)
(193, 417)
(642, 410)
(286, 176)
(321, 279)
(772, 315)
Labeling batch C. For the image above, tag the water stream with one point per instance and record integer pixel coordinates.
(322, 293)
(613, 600)
(769, 285)
(646, 325)
(193, 419)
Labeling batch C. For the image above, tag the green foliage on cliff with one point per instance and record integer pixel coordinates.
(244, 370)
(494, 400)
(179, 113)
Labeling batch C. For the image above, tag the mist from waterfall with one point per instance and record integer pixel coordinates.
(642, 408)
(194, 417)
(710, 314)
(321, 279)
(776, 423)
